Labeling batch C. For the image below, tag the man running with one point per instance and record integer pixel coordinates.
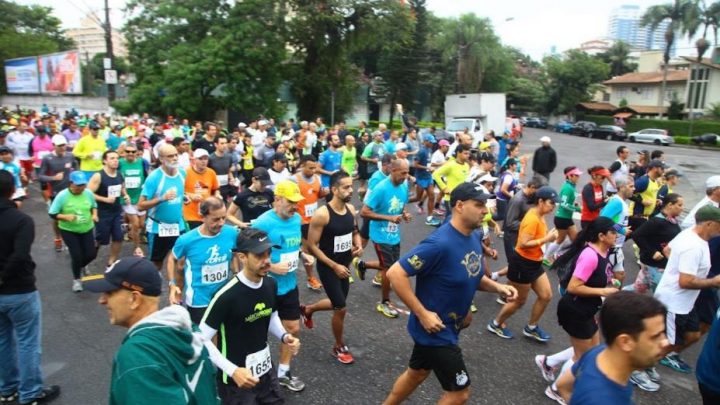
(334, 240)
(201, 183)
(134, 173)
(619, 169)
(55, 170)
(90, 149)
(424, 184)
(448, 271)
(330, 161)
(453, 173)
(220, 161)
(253, 201)
(312, 190)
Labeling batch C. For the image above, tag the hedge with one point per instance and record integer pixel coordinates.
(677, 128)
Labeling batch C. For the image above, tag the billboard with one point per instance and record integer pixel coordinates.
(21, 75)
(60, 73)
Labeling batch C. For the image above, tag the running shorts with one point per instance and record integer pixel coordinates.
(335, 287)
(446, 362)
(288, 305)
(563, 223)
(677, 325)
(524, 271)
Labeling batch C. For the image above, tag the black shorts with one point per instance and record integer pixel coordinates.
(706, 305)
(677, 325)
(304, 229)
(196, 314)
(563, 223)
(365, 229)
(524, 271)
(576, 319)
(109, 226)
(288, 305)
(363, 172)
(387, 254)
(266, 392)
(159, 247)
(336, 288)
(445, 361)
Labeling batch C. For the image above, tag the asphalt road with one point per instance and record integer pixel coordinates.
(79, 344)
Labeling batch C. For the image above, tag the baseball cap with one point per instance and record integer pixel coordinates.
(242, 125)
(78, 178)
(288, 189)
(573, 171)
(672, 173)
(262, 174)
(401, 146)
(5, 149)
(487, 177)
(93, 125)
(254, 241)
(429, 138)
(547, 193)
(656, 163)
(545, 139)
(58, 140)
(510, 161)
(444, 142)
(484, 145)
(468, 191)
(279, 157)
(712, 182)
(707, 213)
(131, 273)
(487, 157)
(602, 172)
(262, 122)
(200, 153)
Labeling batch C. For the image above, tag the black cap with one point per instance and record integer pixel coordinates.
(280, 157)
(547, 193)
(656, 163)
(254, 241)
(487, 157)
(131, 273)
(468, 191)
(93, 125)
(5, 149)
(262, 174)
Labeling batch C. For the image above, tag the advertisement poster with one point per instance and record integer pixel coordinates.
(21, 75)
(60, 73)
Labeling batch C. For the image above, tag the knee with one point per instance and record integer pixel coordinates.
(545, 296)
(341, 312)
(519, 301)
(458, 397)
(417, 376)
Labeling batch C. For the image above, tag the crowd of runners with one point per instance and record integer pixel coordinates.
(231, 223)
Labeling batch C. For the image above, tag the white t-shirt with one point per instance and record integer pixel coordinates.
(438, 158)
(20, 144)
(258, 137)
(622, 173)
(276, 177)
(689, 220)
(184, 160)
(689, 254)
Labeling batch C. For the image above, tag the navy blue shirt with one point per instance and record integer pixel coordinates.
(448, 270)
(592, 387)
(708, 364)
(423, 158)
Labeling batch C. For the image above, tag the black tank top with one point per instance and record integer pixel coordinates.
(598, 279)
(110, 185)
(336, 238)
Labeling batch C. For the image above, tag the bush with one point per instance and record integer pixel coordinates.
(677, 128)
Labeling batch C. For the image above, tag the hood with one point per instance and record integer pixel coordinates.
(172, 327)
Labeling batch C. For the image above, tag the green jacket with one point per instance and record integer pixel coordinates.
(161, 361)
(567, 206)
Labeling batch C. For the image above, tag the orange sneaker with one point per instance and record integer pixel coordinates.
(314, 284)
(58, 245)
(307, 318)
(343, 355)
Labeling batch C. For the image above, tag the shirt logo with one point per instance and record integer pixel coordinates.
(396, 205)
(416, 262)
(262, 239)
(461, 378)
(259, 311)
(193, 383)
(215, 256)
(472, 264)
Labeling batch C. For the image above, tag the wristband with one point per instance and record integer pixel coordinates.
(172, 283)
(282, 338)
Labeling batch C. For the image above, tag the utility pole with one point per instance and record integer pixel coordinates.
(109, 48)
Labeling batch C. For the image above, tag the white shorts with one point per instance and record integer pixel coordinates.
(618, 258)
(132, 209)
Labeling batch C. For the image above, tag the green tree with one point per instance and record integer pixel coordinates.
(714, 111)
(97, 70)
(623, 103)
(571, 79)
(527, 94)
(28, 31)
(617, 57)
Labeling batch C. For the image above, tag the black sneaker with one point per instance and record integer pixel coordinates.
(46, 395)
(6, 399)
(360, 269)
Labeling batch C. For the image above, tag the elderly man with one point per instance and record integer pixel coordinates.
(544, 160)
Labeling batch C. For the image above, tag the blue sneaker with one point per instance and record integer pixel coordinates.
(676, 363)
(537, 334)
(433, 222)
(499, 330)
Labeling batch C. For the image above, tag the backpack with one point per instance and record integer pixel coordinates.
(565, 272)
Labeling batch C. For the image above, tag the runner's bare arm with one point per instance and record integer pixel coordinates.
(317, 223)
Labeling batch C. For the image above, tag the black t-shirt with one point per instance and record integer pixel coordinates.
(253, 204)
(202, 143)
(241, 315)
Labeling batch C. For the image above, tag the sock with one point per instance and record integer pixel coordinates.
(671, 354)
(559, 358)
(495, 323)
(494, 276)
(550, 251)
(429, 218)
(283, 369)
(531, 327)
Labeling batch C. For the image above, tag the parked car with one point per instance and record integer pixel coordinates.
(564, 127)
(583, 128)
(651, 135)
(534, 122)
(609, 132)
(706, 139)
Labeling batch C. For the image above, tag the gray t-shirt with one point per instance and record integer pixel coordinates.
(221, 165)
(518, 206)
(53, 164)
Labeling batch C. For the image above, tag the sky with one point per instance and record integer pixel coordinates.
(535, 26)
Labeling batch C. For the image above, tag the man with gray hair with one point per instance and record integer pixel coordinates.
(374, 152)
(712, 197)
(617, 209)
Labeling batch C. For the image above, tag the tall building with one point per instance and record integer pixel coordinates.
(90, 39)
(624, 25)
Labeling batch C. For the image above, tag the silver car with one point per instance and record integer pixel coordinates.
(650, 135)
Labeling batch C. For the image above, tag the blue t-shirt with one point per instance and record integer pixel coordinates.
(422, 158)
(387, 199)
(113, 142)
(167, 212)
(286, 234)
(207, 263)
(592, 387)
(708, 364)
(330, 161)
(13, 169)
(447, 266)
(390, 147)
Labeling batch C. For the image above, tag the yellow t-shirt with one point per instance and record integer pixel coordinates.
(454, 174)
(89, 150)
(650, 194)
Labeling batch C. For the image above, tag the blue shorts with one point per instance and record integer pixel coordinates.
(109, 225)
(424, 183)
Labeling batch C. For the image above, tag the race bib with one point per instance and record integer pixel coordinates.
(391, 227)
(96, 155)
(167, 230)
(342, 243)
(114, 191)
(132, 182)
(291, 258)
(259, 363)
(222, 179)
(19, 193)
(310, 209)
(42, 154)
(214, 273)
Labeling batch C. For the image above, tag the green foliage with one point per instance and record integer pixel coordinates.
(527, 95)
(714, 111)
(677, 128)
(617, 57)
(571, 79)
(623, 103)
(97, 70)
(675, 109)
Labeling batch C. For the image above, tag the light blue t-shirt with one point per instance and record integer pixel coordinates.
(13, 169)
(286, 234)
(387, 199)
(207, 263)
(167, 212)
(330, 161)
(390, 147)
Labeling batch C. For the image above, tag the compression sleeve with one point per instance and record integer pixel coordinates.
(215, 356)
(276, 327)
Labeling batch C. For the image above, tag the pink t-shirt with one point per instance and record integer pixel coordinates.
(587, 263)
(41, 146)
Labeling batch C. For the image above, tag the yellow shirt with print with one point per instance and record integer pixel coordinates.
(454, 174)
(89, 150)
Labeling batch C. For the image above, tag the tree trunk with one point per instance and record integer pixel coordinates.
(661, 99)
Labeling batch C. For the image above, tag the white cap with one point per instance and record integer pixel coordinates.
(401, 146)
(545, 139)
(286, 138)
(59, 140)
(198, 153)
(486, 177)
(242, 125)
(712, 182)
(262, 122)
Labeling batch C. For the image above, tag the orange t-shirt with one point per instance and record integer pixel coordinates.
(205, 183)
(311, 192)
(532, 224)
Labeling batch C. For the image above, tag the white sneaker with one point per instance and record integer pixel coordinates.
(643, 381)
(77, 286)
(554, 395)
(86, 271)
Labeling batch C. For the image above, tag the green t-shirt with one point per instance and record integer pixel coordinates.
(349, 158)
(567, 206)
(134, 175)
(80, 205)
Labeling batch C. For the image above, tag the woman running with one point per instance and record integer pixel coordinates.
(564, 215)
(593, 195)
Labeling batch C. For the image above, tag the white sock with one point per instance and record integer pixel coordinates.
(565, 367)
(283, 369)
(494, 276)
(559, 357)
(429, 218)
(550, 251)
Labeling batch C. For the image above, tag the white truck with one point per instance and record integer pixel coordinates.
(477, 112)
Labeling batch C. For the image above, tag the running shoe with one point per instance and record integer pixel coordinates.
(554, 395)
(385, 309)
(292, 383)
(499, 330)
(377, 280)
(307, 318)
(501, 300)
(343, 355)
(473, 308)
(77, 286)
(676, 363)
(548, 372)
(314, 284)
(58, 245)
(351, 279)
(432, 222)
(653, 374)
(537, 333)
(9, 398)
(46, 395)
(643, 381)
(439, 211)
(546, 262)
(86, 272)
(359, 267)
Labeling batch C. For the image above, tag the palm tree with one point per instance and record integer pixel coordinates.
(618, 59)
(700, 15)
(678, 13)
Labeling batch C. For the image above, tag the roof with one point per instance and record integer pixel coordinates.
(649, 77)
(642, 109)
(705, 61)
(597, 106)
